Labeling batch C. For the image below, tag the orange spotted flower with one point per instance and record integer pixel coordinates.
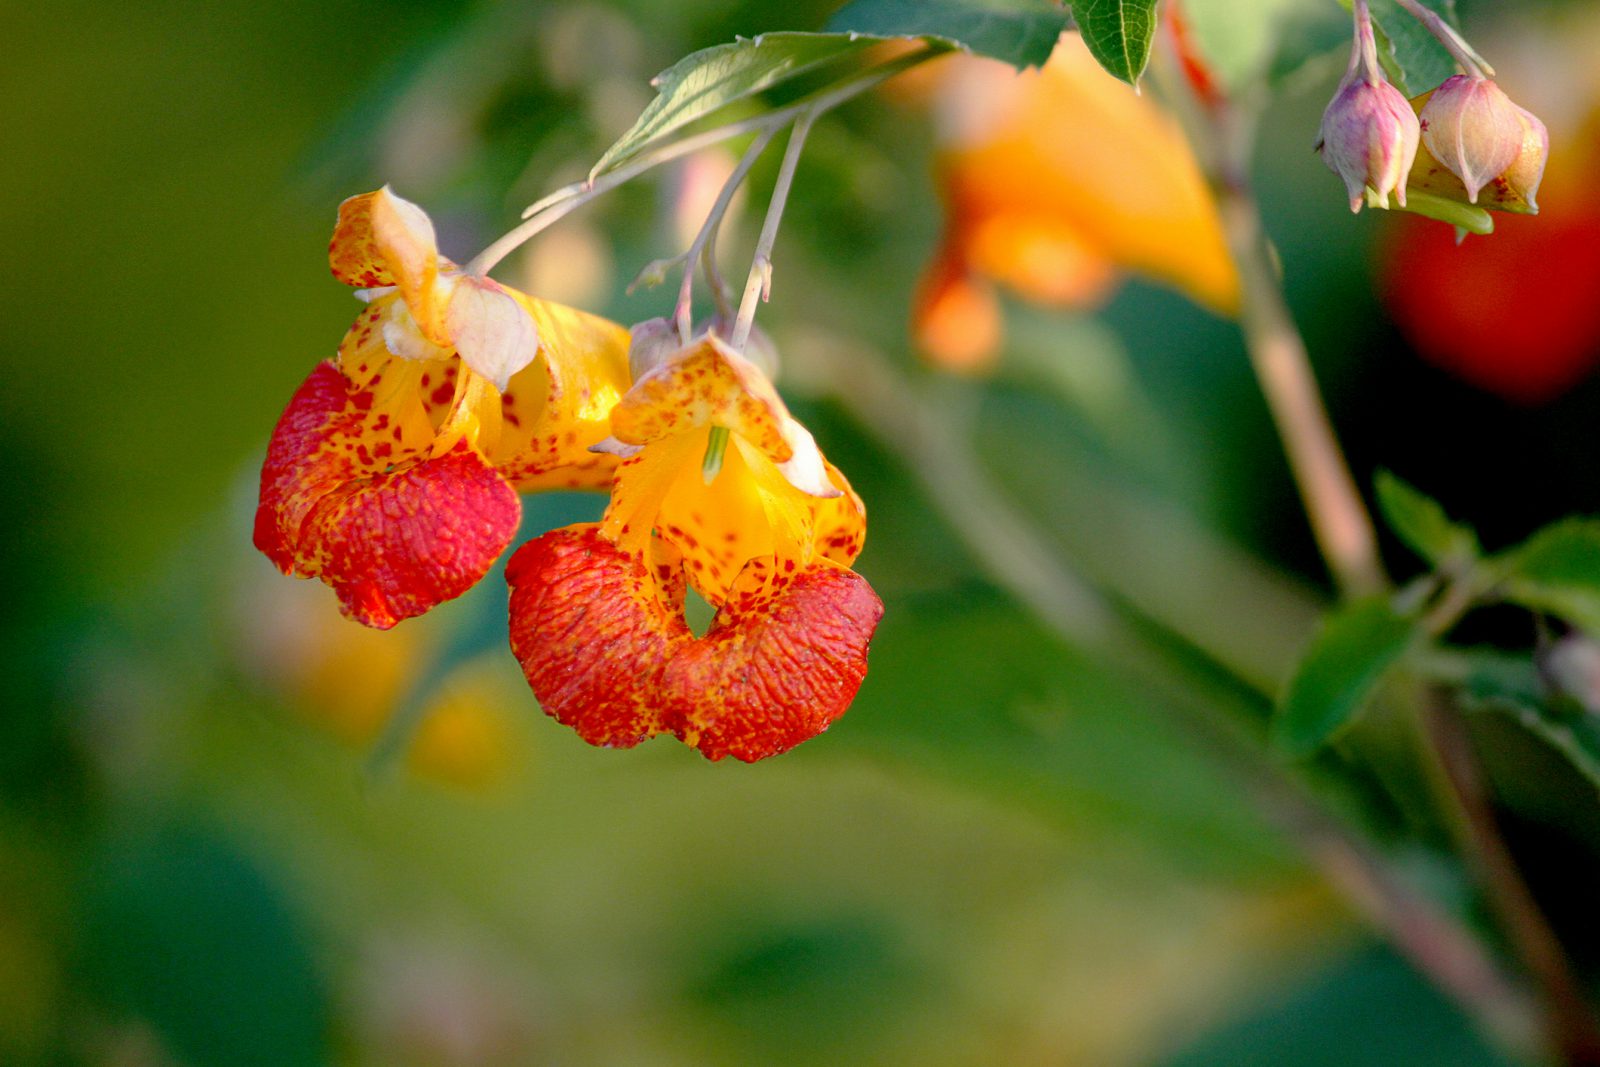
(1055, 181)
(393, 473)
(723, 491)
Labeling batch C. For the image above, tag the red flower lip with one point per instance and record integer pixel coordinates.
(607, 656)
(392, 539)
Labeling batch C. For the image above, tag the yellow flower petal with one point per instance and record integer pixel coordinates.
(559, 405)
(839, 525)
(382, 239)
(706, 384)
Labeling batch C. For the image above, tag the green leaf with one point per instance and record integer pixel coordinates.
(709, 80)
(1576, 739)
(1415, 59)
(1466, 218)
(1118, 33)
(1489, 680)
(1370, 1007)
(1558, 571)
(1021, 32)
(1421, 523)
(183, 932)
(1345, 662)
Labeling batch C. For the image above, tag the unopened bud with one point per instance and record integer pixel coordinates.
(651, 342)
(1474, 129)
(1369, 138)
(1522, 178)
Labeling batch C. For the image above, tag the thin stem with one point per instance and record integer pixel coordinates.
(759, 284)
(1018, 556)
(1339, 520)
(1573, 1033)
(1364, 49)
(1459, 597)
(685, 308)
(1447, 35)
(714, 280)
(563, 202)
(551, 209)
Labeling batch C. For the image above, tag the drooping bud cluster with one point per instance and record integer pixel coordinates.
(1448, 148)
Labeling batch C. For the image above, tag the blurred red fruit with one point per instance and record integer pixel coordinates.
(1516, 313)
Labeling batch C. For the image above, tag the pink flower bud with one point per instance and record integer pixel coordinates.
(1522, 178)
(650, 343)
(1369, 138)
(1474, 129)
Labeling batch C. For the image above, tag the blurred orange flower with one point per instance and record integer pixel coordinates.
(1055, 181)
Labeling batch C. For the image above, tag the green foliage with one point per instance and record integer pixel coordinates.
(1422, 524)
(708, 81)
(1414, 58)
(1240, 39)
(1558, 571)
(1118, 33)
(1343, 1016)
(967, 688)
(1356, 645)
(183, 931)
(1021, 32)
(1309, 37)
(1465, 217)
(1489, 680)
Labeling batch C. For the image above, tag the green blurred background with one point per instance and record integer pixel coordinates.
(1004, 854)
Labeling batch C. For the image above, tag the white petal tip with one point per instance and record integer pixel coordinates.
(494, 334)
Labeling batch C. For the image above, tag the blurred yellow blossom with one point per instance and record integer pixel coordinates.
(1055, 181)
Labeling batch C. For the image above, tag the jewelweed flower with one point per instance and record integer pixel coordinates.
(722, 491)
(1055, 181)
(393, 473)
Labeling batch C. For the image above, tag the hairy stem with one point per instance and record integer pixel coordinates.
(1364, 49)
